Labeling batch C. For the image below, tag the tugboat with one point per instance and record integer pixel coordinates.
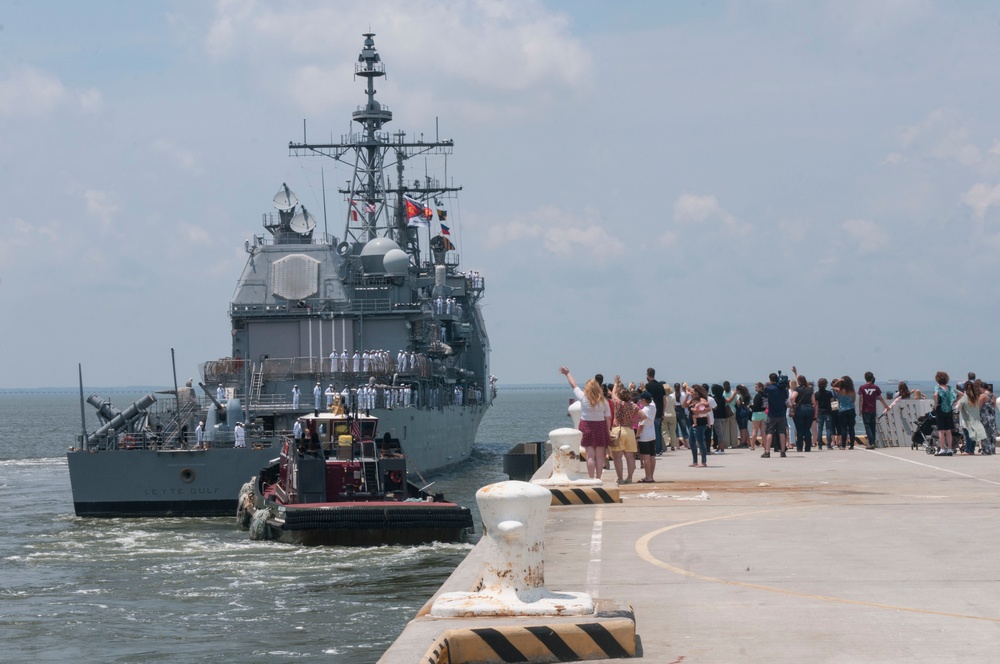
(336, 483)
(382, 315)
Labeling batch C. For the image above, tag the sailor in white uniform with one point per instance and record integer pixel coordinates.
(333, 361)
(240, 435)
(199, 435)
(343, 360)
(329, 395)
(401, 360)
(295, 397)
(357, 361)
(317, 395)
(220, 393)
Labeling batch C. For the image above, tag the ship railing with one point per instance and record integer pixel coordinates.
(226, 370)
(270, 221)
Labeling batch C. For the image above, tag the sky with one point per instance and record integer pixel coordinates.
(715, 189)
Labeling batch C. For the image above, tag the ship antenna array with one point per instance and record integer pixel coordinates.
(367, 192)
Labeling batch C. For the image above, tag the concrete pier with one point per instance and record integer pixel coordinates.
(882, 555)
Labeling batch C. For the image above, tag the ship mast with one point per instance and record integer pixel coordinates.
(368, 214)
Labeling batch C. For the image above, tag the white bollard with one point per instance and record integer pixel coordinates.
(566, 461)
(513, 582)
(575, 411)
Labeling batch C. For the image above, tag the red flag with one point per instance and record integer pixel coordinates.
(416, 213)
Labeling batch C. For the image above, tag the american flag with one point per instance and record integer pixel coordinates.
(355, 428)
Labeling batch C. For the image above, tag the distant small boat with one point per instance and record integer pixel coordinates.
(340, 485)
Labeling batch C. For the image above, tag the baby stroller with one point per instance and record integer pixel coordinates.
(925, 433)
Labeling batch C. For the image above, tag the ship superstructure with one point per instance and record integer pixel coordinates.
(370, 317)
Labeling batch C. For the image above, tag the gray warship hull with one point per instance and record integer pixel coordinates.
(380, 320)
(177, 482)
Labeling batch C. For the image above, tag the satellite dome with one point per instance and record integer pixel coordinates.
(373, 254)
(396, 262)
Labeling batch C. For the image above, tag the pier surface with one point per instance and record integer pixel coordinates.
(880, 555)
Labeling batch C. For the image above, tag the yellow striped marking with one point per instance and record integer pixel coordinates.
(642, 548)
(585, 495)
(610, 638)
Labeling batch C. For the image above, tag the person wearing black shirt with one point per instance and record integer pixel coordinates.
(655, 388)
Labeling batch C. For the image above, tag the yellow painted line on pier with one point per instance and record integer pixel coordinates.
(642, 548)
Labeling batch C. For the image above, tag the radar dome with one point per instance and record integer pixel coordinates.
(373, 254)
(396, 262)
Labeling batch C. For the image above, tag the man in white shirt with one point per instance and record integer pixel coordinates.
(646, 439)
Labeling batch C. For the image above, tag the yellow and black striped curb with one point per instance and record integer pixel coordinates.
(585, 495)
(611, 636)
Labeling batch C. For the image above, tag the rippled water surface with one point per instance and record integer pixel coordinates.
(181, 590)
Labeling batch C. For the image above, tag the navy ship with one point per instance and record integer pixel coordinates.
(379, 321)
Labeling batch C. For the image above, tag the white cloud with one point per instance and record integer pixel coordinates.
(693, 209)
(668, 238)
(867, 234)
(182, 158)
(563, 234)
(102, 206)
(27, 91)
(941, 135)
(980, 197)
(90, 99)
(495, 45)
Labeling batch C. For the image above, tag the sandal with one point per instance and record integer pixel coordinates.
(645, 481)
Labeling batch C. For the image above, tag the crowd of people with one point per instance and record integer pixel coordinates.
(635, 423)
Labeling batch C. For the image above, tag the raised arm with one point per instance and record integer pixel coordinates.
(565, 371)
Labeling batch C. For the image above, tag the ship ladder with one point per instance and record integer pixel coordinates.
(256, 382)
(172, 431)
(369, 466)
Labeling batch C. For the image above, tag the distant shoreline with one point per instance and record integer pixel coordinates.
(149, 388)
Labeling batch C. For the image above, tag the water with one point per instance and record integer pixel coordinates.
(182, 590)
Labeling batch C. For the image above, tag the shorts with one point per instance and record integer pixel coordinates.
(945, 421)
(776, 426)
(647, 447)
(625, 442)
(758, 417)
